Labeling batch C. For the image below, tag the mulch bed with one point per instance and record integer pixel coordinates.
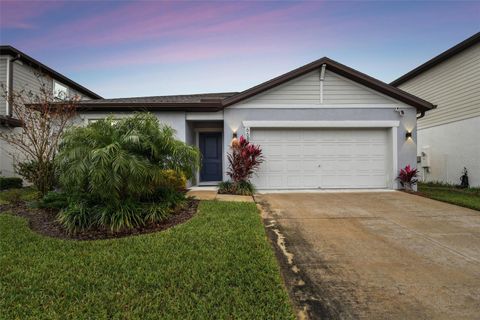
(44, 222)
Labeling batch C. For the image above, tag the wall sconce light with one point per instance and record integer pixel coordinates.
(408, 135)
(234, 142)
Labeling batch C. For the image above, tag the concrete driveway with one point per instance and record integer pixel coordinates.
(377, 255)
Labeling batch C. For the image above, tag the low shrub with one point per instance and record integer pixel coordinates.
(82, 211)
(10, 183)
(226, 187)
(42, 176)
(13, 196)
(54, 200)
(244, 188)
(173, 179)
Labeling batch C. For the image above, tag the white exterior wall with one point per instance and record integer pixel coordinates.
(6, 161)
(452, 130)
(174, 119)
(452, 147)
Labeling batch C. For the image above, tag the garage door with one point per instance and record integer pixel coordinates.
(322, 158)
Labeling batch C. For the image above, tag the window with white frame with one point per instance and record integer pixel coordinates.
(60, 91)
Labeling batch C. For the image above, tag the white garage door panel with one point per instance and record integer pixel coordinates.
(322, 158)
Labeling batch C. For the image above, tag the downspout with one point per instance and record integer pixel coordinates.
(10, 84)
(422, 114)
(322, 79)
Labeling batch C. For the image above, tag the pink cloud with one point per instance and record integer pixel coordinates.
(20, 14)
(135, 22)
(178, 53)
(167, 21)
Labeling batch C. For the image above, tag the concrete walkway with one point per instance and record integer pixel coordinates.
(211, 194)
(377, 255)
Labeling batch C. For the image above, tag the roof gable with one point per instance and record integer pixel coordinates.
(305, 90)
(341, 70)
(9, 50)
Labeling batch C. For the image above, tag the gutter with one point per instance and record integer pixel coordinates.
(422, 114)
(141, 106)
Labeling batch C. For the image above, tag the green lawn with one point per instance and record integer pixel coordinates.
(469, 198)
(218, 265)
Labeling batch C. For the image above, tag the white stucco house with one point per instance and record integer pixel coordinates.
(449, 136)
(323, 125)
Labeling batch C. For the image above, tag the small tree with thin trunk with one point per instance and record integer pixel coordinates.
(43, 117)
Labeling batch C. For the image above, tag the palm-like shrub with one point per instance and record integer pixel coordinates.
(117, 172)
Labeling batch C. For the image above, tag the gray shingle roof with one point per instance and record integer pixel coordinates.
(188, 98)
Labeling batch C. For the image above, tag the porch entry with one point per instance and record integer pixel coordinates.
(210, 144)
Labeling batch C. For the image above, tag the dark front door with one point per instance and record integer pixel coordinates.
(211, 148)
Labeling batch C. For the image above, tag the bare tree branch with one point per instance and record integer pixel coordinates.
(43, 119)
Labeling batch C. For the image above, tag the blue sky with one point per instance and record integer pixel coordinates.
(141, 48)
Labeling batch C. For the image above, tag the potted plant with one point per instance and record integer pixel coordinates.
(408, 177)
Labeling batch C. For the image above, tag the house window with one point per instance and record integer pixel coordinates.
(60, 91)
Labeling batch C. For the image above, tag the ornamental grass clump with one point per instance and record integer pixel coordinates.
(244, 160)
(122, 174)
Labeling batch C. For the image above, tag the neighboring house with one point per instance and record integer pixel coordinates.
(323, 125)
(449, 136)
(19, 71)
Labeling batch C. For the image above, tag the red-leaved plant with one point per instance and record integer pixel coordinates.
(408, 177)
(244, 159)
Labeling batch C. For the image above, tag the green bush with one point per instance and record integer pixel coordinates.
(128, 172)
(226, 187)
(244, 188)
(13, 196)
(173, 179)
(42, 176)
(54, 200)
(10, 182)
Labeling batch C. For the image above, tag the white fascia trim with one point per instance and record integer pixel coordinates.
(205, 116)
(321, 124)
(319, 106)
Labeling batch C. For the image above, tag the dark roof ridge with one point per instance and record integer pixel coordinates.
(465, 44)
(8, 49)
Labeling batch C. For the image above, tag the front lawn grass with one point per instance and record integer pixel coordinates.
(218, 265)
(469, 198)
